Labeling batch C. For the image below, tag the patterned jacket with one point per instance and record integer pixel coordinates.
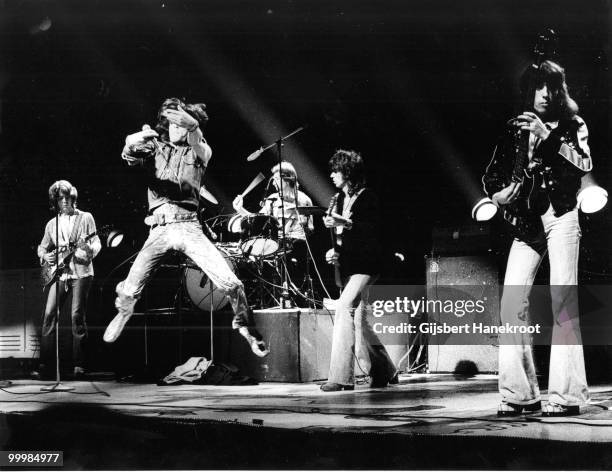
(561, 161)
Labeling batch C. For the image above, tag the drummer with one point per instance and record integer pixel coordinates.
(295, 229)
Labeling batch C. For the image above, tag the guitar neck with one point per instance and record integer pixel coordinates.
(521, 157)
(335, 242)
(69, 250)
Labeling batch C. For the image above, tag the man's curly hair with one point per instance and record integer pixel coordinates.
(196, 110)
(350, 164)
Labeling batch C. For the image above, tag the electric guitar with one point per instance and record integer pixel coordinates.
(49, 272)
(336, 239)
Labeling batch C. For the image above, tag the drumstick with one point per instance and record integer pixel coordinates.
(254, 183)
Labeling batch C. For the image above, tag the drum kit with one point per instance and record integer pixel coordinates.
(256, 248)
(253, 248)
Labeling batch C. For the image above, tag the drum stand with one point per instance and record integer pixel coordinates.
(308, 282)
(307, 278)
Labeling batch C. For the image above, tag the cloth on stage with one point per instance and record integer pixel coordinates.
(188, 372)
(201, 371)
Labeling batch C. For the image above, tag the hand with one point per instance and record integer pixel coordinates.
(331, 257)
(181, 118)
(141, 137)
(335, 220)
(532, 122)
(507, 195)
(238, 203)
(82, 256)
(84, 253)
(50, 257)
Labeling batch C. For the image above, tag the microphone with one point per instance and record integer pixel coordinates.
(255, 155)
(146, 127)
(213, 235)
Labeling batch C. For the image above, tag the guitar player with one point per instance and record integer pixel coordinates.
(355, 211)
(557, 157)
(74, 227)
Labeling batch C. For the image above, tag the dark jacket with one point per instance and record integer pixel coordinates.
(361, 252)
(561, 162)
(175, 172)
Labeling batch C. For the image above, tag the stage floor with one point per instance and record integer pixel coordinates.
(430, 407)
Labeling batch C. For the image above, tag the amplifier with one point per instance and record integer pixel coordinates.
(472, 271)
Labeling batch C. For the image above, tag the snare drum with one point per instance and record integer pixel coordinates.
(259, 235)
(201, 292)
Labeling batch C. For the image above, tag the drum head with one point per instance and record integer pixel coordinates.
(259, 247)
(202, 293)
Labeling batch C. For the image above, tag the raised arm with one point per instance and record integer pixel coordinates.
(195, 138)
(139, 146)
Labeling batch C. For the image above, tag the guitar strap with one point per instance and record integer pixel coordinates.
(339, 202)
(347, 212)
(75, 228)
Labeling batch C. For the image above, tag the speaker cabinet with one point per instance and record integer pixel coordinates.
(453, 356)
(300, 347)
(21, 308)
(299, 343)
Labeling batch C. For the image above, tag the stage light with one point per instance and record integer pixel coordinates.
(591, 197)
(41, 27)
(114, 238)
(484, 209)
(110, 236)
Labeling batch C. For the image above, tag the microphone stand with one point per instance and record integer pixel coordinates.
(285, 299)
(57, 386)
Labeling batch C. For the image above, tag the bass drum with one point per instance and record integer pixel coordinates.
(201, 292)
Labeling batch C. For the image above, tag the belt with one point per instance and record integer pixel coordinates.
(162, 219)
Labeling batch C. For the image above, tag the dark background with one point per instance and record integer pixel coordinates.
(421, 89)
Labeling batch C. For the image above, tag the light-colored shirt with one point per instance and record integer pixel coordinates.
(294, 228)
(87, 227)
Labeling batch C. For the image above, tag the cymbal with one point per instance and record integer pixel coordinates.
(311, 210)
(207, 195)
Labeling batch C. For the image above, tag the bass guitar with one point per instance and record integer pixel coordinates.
(49, 272)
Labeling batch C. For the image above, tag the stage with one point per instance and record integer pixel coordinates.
(426, 421)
